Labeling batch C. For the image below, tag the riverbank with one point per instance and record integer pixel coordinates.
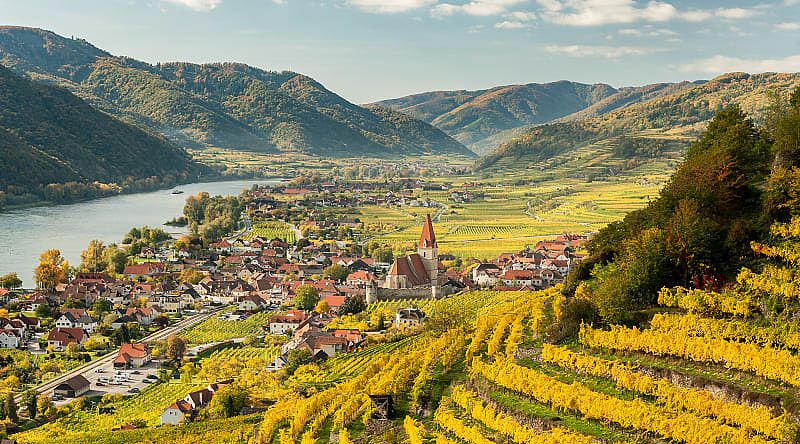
(5, 208)
(28, 232)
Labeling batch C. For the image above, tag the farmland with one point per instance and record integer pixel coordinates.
(269, 230)
(216, 330)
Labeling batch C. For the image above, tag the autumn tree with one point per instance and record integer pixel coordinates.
(52, 270)
(322, 307)
(29, 401)
(228, 401)
(306, 298)
(93, 258)
(176, 348)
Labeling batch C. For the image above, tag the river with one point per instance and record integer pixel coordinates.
(26, 233)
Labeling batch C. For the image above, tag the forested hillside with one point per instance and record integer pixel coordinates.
(226, 105)
(472, 117)
(49, 137)
(672, 118)
(737, 180)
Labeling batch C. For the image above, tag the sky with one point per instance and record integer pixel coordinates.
(368, 50)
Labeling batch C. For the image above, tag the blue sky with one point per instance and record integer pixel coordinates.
(368, 50)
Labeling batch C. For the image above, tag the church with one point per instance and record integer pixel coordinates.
(415, 276)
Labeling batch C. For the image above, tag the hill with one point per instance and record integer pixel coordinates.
(50, 136)
(471, 117)
(226, 105)
(673, 114)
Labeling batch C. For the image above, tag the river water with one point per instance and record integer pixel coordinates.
(26, 233)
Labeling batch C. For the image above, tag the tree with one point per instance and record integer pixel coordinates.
(43, 311)
(93, 258)
(352, 305)
(73, 350)
(11, 408)
(295, 359)
(29, 401)
(52, 270)
(191, 276)
(45, 406)
(228, 401)
(10, 281)
(306, 297)
(336, 272)
(322, 307)
(115, 259)
(101, 307)
(176, 348)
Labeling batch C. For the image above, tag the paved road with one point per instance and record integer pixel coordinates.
(106, 359)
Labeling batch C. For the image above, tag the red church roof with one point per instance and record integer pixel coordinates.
(428, 238)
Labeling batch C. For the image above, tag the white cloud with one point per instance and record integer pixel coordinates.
(390, 6)
(735, 13)
(610, 12)
(508, 24)
(610, 52)
(647, 32)
(197, 5)
(721, 64)
(788, 26)
(479, 8)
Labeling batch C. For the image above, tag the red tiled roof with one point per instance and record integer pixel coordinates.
(428, 238)
(413, 267)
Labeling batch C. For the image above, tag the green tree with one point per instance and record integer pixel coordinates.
(11, 408)
(352, 305)
(295, 359)
(115, 258)
(29, 400)
(306, 297)
(10, 281)
(45, 406)
(100, 307)
(52, 270)
(191, 276)
(93, 258)
(336, 272)
(228, 401)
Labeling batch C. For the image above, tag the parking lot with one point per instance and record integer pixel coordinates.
(102, 380)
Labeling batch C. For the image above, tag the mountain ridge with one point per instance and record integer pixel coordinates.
(229, 105)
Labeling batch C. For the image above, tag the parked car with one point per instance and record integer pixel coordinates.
(133, 390)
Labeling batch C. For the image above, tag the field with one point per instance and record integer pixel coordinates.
(216, 330)
(146, 406)
(269, 230)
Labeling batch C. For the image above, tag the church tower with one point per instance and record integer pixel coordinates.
(428, 249)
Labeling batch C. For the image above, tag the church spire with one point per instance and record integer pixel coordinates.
(428, 238)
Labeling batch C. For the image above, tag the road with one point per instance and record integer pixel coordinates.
(106, 359)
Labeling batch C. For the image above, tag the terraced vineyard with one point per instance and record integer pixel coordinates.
(146, 406)
(215, 330)
(271, 230)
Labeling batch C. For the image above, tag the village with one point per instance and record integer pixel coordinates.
(312, 292)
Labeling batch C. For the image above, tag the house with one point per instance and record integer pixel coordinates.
(9, 339)
(144, 316)
(178, 412)
(517, 278)
(252, 303)
(73, 387)
(143, 270)
(67, 320)
(286, 323)
(486, 274)
(184, 410)
(59, 338)
(360, 278)
(408, 317)
(132, 355)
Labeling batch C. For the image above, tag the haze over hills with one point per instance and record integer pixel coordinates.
(225, 105)
(48, 135)
(674, 114)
